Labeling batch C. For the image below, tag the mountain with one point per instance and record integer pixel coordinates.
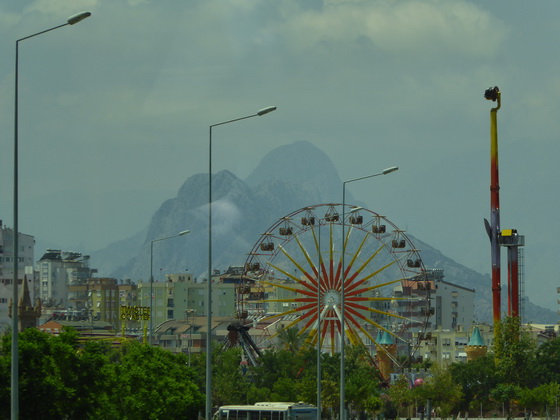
(289, 178)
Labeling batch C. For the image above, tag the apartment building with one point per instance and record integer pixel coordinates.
(180, 295)
(104, 299)
(58, 270)
(450, 306)
(444, 346)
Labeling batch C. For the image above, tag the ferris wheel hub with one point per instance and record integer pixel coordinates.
(331, 298)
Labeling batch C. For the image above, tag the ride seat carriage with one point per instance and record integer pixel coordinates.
(398, 243)
(378, 228)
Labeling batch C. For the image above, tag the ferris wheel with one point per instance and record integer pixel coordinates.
(296, 275)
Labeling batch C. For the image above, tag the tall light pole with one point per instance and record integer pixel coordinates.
(208, 412)
(15, 322)
(343, 286)
(184, 232)
(320, 273)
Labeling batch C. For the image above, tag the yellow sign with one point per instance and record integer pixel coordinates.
(135, 313)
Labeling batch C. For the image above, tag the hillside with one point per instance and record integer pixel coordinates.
(243, 210)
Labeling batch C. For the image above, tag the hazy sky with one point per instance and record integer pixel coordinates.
(114, 111)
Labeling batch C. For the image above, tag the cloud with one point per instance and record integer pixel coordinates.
(226, 216)
(54, 8)
(413, 27)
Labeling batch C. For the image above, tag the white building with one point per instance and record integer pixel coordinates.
(454, 306)
(26, 245)
(57, 271)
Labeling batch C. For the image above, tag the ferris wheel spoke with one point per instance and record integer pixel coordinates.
(360, 327)
(349, 330)
(290, 276)
(291, 311)
(310, 326)
(378, 299)
(318, 250)
(312, 320)
(353, 336)
(363, 266)
(299, 267)
(322, 273)
(351, 287)
(377, 325)
(309, 261)
(286, 327)
(355, 256)
(333, 277)
(380, 286)
(293, 289)
(324, 330)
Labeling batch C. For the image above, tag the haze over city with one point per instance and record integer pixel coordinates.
(114, 112)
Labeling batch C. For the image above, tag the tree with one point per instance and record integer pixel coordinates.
(362, 378)
(291, 339)
(440, 388)
(152, 383)
(56, 378)
(401, 394)
(47, 379)
(504, 394)
(546, 365)
(539, 398)
(514, 351)
(477, 378)
(230, 384)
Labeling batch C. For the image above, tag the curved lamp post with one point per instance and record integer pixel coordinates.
(15, 327)
(319, 401)
(342, 295)
(184, 232)
(208, 413)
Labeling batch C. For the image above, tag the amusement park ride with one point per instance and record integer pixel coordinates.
(293, 278)
(507, 237)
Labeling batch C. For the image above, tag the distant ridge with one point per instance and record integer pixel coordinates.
(288, 178)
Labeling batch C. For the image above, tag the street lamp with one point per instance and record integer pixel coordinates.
(319, 326)
(184, 232)
(15, 327)
(342, 296)
(208, 413)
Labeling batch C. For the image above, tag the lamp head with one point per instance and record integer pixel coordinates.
(389, 170)
(72, 20)
(266, 110)
(491, 94)
(184, 232)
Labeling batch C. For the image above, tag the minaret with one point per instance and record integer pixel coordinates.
(27, 314)
(476, 348)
